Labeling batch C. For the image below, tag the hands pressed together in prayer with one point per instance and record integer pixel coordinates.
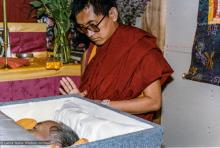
(69, 87)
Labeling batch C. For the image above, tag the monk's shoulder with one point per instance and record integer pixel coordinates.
(130, 33)
(126, 29)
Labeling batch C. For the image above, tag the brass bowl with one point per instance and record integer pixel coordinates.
(24, 55)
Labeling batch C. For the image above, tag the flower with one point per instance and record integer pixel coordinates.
(129, 10)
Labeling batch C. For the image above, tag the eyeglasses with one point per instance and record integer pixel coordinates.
(91, 27)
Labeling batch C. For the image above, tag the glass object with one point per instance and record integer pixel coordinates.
(91, 27)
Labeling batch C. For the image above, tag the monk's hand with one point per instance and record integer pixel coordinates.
(69, 87)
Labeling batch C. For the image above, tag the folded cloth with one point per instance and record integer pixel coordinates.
(15, 62)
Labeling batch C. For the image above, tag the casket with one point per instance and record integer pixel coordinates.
(103, 126)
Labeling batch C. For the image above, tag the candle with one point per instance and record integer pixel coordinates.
(5, 27)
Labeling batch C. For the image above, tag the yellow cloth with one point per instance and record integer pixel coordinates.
(81, 141)
(92, 53)
(26, 123)
(26, 27)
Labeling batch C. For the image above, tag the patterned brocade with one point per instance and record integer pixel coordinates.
(205, 64)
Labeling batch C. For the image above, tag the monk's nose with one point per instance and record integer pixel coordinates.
(90, 33)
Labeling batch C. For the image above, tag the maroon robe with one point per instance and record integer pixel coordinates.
(124, 66)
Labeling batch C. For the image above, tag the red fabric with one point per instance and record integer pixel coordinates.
(23, 42)
(18, 11)
(32, 88)
(124, 66)
(15, 62)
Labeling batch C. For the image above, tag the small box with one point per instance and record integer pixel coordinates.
(103, 126)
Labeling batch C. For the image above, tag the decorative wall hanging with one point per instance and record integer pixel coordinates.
(205, 64)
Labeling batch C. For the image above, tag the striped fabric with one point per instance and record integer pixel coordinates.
(27, 37)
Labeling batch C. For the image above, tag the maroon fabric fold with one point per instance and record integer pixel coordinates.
(23, 42)
(124, 66)
(18, 11)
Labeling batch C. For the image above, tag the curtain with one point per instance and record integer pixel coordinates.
(205, 63)
(153, 20)
(17, 11)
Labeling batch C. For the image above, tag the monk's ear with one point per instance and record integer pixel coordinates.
(113, 14)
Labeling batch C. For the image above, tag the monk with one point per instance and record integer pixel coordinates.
(57, 134)
(127, 70)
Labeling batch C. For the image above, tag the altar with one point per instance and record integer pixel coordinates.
(34, 81)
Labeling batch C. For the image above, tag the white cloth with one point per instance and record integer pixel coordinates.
(91, 126)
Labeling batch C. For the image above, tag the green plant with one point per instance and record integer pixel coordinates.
(59, 11)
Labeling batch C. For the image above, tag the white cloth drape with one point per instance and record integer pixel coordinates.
(153, 20)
